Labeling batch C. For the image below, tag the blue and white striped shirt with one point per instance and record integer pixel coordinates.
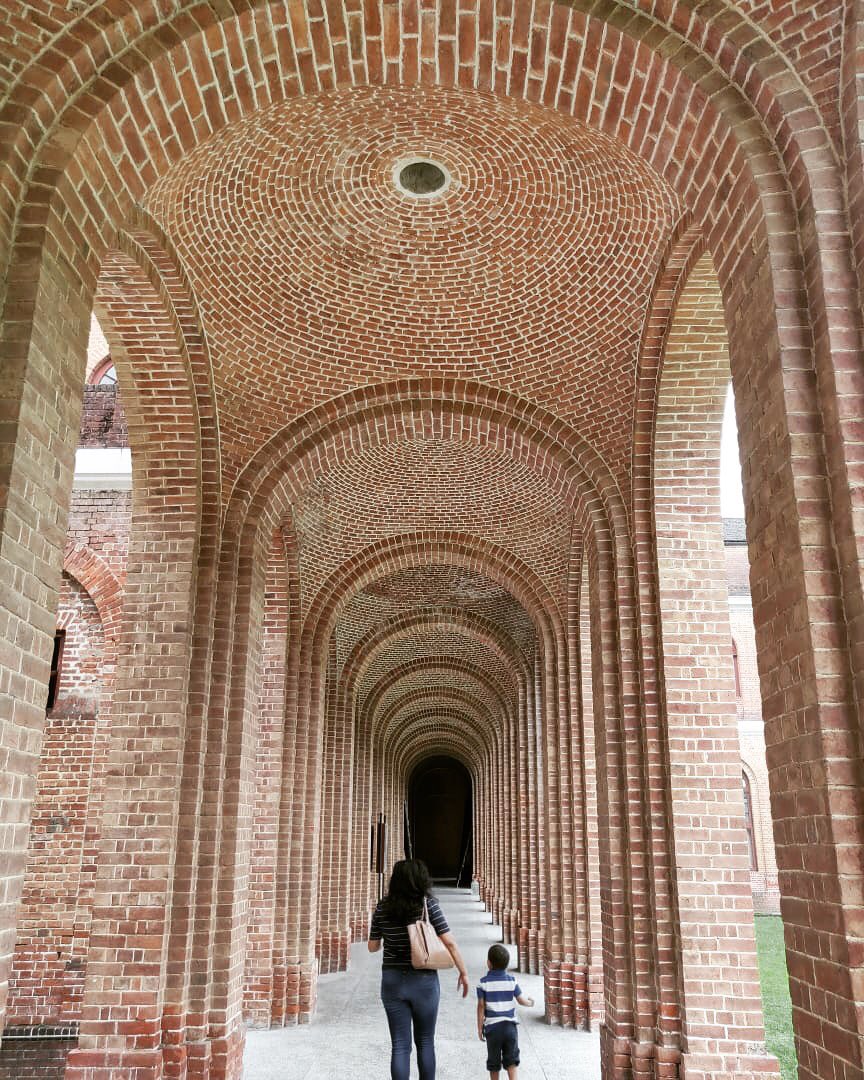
(498, 991)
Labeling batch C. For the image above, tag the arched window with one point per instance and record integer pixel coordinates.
(748, 821)
(104, 374)
(736, 667)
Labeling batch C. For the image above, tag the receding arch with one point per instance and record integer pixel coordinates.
(95, 575)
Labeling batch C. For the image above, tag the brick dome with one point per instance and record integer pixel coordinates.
(315, 274)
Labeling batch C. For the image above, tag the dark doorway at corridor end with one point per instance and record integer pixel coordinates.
(439, 820)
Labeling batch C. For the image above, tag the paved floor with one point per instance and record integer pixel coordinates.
(348, 1037)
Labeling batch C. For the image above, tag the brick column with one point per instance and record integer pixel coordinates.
(334, 934)
(594, 943)
(530, 936)
(294, 969)
(361, 875)
(517, 852)
(131, 904)
(721, 1006)
(135, 892)
(812, 712)
(527, 851)
(618, 1029)
(42, 357)
(258, 976)
(558, 966)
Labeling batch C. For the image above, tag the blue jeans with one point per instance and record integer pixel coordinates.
(411, 998)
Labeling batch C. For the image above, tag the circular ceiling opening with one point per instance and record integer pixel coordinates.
(421, 178)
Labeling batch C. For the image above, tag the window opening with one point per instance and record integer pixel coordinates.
(56, 665)
(748, 821)
(736, 667)
(104, 374)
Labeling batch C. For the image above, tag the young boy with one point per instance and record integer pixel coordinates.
(496, 1013)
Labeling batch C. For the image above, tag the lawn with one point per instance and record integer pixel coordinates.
(776, 1002)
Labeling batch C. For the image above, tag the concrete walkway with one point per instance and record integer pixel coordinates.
(348, 1037)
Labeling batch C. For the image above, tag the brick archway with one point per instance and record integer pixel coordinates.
(95, 575)
(730, 124)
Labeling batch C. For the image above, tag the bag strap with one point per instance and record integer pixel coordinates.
(425, 911)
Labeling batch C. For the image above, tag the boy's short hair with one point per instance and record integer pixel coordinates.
(499, 957)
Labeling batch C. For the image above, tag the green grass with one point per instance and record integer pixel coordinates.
(776, 1003)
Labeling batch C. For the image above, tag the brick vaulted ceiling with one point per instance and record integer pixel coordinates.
(315, 274)
(430, 484)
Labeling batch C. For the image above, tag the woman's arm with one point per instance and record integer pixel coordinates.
(375, 932)
(453, 949)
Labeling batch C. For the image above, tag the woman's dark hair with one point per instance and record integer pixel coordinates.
(409, 883)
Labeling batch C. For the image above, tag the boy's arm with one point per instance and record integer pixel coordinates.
(526, 1001)
(481, 1016)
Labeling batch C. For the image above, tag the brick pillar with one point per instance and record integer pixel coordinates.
(720, 1001)
(572, 966)
(594, 943)
(498, 832)
(617, 1030)
(258, 976)
(42, 356)
(518, 850)
(334, 934)
(530, 935)
(295, 964)
(222, 908)
(805, 613)
(559, 968)
(131, 904)
(361, 875)
(135, 894)
(527, 841)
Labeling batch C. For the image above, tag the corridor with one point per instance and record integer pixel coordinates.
(372, 378)
(348, 1036)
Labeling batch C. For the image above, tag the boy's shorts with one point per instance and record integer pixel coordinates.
(502, 1046)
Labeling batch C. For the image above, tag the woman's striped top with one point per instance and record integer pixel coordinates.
(397, 946)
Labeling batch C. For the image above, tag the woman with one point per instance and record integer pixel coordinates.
(410, 996)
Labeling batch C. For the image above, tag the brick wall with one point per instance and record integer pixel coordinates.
(50, 957)
(99, 521)
(103, 423)
(34, 1059)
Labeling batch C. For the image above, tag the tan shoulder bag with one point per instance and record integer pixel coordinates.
(428, 951)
